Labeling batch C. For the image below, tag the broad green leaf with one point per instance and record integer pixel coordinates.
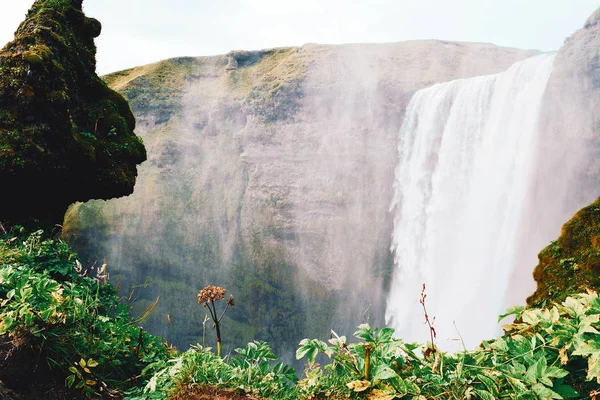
(384, 372)
(489, 384)
(511, 311)
(70, 380)
(531, 377)
(574, 307)
(302, 351)
(364, 334)
(545, 393)
(499, 345)
(311, 355)
(555, 372)
(594, 367)
(399, 385)
(530, 317)
(566, 392)
(585, 348)
(384, 335)
(585, 324)
(484, 394)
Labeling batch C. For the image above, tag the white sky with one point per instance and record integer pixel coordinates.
(137, 32)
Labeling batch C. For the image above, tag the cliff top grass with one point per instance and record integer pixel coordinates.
(266, 81)
(64, 135)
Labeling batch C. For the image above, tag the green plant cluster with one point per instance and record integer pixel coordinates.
(253, 370)
(87, 336)
(75, 322)
(551, 353)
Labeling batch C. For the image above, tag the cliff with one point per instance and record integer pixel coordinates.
(570, 264)
(569, 161)
(64, 135)
(270, 173)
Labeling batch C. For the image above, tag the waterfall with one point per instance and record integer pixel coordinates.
(466, 152)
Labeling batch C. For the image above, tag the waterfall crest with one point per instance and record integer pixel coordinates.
(466, 152)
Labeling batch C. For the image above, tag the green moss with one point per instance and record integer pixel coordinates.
(49, 94)
(32, 57)
(572, 263)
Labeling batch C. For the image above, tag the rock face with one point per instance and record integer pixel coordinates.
(270, 173)
(570, 264)
(569, 161)
(64, 135)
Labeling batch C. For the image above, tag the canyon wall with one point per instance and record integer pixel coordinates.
(270, 173)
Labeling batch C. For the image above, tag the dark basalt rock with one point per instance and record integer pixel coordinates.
(64, 135)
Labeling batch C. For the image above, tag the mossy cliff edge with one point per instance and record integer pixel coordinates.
(64, 135)
(570, 264)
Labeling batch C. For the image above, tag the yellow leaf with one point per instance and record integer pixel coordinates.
(359, 386)
(87, 370)
(562, 353)
(378, 394)
(92, 363)
(90, 382)
(82, 363)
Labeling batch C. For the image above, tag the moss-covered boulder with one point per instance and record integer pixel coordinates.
(64, 135)
(570, 264)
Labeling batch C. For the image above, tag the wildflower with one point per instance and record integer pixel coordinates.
(207, 297)
(210, 294)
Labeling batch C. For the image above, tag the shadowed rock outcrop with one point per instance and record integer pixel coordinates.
(64, 135)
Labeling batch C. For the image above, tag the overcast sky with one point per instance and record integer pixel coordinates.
(137, 32)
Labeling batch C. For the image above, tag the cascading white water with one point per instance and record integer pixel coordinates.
(465, 164)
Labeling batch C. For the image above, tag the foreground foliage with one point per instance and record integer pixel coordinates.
(551, 353)
(74, 321)
(252, 370)
(77, 323)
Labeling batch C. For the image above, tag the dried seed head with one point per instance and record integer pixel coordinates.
(211, 294)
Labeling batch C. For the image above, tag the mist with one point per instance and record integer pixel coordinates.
(270, 173)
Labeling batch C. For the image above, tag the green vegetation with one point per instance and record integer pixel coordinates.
(252, 370)
(62, 129)
(570, 264)
(54, 306)
(551, 353)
